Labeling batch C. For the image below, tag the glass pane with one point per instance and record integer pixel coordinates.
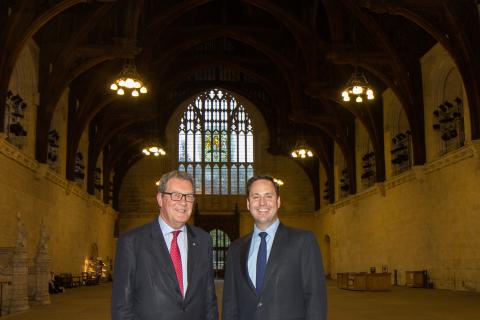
(208, 180)
(208, 146)
(181, 168)
(189, 146)
(190, 170)
(223, 147)
(233, 180)
(198, 179)
(241, 180)
(241, 147)
(213, 234)
(249, 172)
(216, 147)
(249, 147)
(224, 179)
(233, 147)
(198, 146)
(216, 180)
(181, 146)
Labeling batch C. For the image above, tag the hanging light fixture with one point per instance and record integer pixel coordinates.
(301, 150)
(357, 88)
(278, 181)
(153, 150)
(129, 81)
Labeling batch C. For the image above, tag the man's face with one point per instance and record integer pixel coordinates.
(263, 203)
(175, 213)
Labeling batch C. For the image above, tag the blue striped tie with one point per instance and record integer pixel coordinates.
(261, 262)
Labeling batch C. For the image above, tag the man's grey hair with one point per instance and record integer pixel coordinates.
(182, 175)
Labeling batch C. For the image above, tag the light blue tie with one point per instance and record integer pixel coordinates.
(261, 262)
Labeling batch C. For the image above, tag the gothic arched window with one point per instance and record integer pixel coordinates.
(215, 144)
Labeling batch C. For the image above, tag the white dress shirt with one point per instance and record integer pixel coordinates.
(255, 244)
(182, 242)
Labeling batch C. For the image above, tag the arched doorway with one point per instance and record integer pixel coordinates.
(327, 257)
(221, 242)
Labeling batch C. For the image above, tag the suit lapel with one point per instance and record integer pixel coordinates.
(161, 257)
(193, 257)
(244, 261)
(281, 238)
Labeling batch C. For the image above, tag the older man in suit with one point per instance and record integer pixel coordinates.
(163, 270)
(275, 272)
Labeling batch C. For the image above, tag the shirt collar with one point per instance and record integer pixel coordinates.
(166, 229)
(271, 230)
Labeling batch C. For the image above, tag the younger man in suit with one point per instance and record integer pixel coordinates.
(163, 270)
(275, 272)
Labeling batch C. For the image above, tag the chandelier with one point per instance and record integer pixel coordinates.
(153, 150)
(357, 88)
(278, 181)
(129, 81)
(301, 150)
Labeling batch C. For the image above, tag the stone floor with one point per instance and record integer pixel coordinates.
(93, 303)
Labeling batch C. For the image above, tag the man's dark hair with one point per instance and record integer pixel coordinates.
(262, 177)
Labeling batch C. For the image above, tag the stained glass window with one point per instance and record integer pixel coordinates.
(215, 143)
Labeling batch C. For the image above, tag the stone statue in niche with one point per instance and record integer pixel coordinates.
(21, 244)
(44, 237)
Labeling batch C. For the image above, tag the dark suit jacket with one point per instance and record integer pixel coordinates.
(145, 286)
(294, 285)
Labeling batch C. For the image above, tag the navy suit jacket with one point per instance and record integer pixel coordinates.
(294, 284)
(145, 286)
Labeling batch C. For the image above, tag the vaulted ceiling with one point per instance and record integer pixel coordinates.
(290, 58)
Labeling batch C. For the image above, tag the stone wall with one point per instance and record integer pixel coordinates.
(73, 219)
(426, 218)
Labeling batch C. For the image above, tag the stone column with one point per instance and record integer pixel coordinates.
(19, 300)
(42, 266)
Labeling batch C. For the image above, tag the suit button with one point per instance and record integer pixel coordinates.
(259, 305)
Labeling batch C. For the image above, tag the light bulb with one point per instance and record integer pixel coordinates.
(358, 99)
(143, 90)
(369, 92)
(129, 83)
(121, 83)
(134, 93)
(309, 153)
(344, 94)
(114, 87)
(357, 90)
(120, 92)
(346, 98)
(137, 84)
(294, 154)
(370, 97)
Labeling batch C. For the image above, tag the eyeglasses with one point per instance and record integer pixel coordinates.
(177, 196)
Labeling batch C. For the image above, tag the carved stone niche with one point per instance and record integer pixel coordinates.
(24, 285)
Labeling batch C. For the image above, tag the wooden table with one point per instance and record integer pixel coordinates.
(363, 281)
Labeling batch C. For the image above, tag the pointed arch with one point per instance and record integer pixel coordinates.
(215, 135)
